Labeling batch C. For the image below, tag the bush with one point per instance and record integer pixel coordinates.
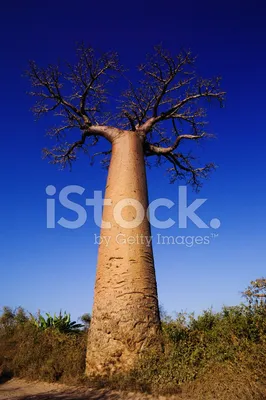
(212, 356)
(29, 349)
(46, 355)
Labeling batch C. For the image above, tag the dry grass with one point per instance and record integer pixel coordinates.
(51, 356)
(215, 356)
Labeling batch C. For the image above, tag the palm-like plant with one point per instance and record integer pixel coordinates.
(62, 323)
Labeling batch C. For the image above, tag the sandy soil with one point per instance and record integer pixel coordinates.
(19, 389)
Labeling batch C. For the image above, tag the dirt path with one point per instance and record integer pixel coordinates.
(19, 389)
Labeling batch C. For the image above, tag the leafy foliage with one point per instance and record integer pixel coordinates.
(61, 323)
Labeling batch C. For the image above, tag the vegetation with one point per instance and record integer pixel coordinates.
(86, 320)
(51, 348)
(61, 323)
(212, 356)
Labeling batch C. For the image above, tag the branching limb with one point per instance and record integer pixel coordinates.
(158, 150)
(66, 153)
(170, 92)
(83, 99)
(183, 168)
(106, 157)
(76, 96)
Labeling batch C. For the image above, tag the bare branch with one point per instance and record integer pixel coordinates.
(182, 168)
(158, 150)
(170, 90)
(66, 153)
(75, 95)
(169, 94)
(105, 160)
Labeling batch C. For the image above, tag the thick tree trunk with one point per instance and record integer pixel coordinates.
(125, 318)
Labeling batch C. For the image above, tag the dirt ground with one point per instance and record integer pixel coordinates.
(19, 389)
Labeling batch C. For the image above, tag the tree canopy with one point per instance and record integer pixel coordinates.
(168, 90)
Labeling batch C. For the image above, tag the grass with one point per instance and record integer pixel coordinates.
(212, 356)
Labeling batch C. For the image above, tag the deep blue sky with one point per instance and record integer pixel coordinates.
(52, 269)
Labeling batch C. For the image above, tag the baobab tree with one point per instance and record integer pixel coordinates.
(151, 119)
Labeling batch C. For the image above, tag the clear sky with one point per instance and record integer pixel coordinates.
(53, 269)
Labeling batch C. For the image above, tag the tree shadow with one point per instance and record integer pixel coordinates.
(5, 376)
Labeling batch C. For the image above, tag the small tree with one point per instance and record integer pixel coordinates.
(255, 293)
(11, 317)
(86, 320)
(7, 317)
(21, 316)
(153, 119)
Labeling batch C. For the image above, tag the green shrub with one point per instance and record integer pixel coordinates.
(60, 323)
